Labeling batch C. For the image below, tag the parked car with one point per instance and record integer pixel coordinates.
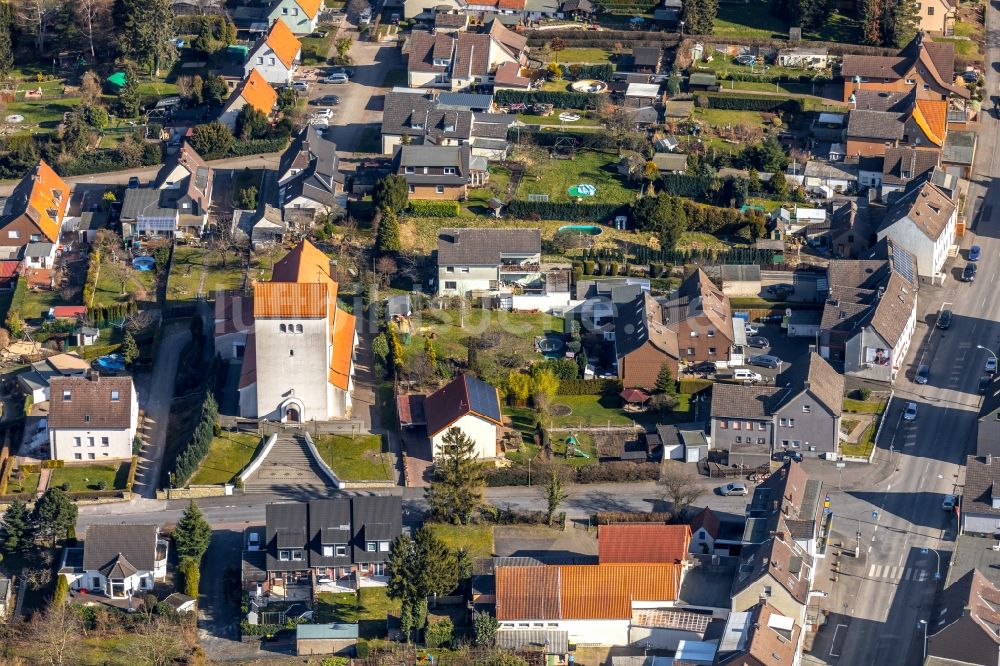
(969, 274)
(781, 290)
(984, 383)
(758, 341)
(734, 489)
(944, 319)
(991, 365)
(911, 412)
(706, 367)
(133, 182)
(325, 114)
(746, 59)
(347, 71)
(974, 252)
(301, 86)
(923, 373)
(765, 361)
(949, 502)
(747, 376)
(791, 455)
(326, 100)
(336, 78)
(771, 319)
(970, 76)
(751, 329)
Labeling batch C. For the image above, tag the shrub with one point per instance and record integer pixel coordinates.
(361, 649)
(65, 486)
(570, 212)
(439, 633)
(589, 387)
(754, 103)
(563, 100)
(612, 517)
(102, 484)
(865, 393)
(434, 208)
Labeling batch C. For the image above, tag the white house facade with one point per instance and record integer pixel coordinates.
(92, 418)
(276, 55)
(923, 222)
(301, 16)
(117, 561)
(470, 405)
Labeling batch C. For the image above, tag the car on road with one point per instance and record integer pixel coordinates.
(974, 253)
(923, 373)
(758, 341)
(991, 365)
(911, 412)
(326, 114)
(949, 502)
(781, 290)
(984, 383)
(336, 78)
(326, 100)
(944, 319)
(133, 182)
(765, 361)
(750, 329)
(969, 274)
(734, 489)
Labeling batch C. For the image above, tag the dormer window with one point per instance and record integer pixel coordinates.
(449, 171)
(416, 125)
(115, 396)
(409, 170)
(67, 395)
(86, 418)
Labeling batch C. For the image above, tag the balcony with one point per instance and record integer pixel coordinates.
(520, 268)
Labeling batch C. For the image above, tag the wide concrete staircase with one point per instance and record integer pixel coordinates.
(289, 469)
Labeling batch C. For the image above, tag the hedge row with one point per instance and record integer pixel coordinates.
(601, 72)
(682, 185)
(609, 472)
(570, 212)
(589, 387)
(692, 386)
(817, 78)
(102, 315)
(563, 100)
(748, 103)
(425, 208)
(196, 448)
(103, 161)
(612, 517)
(254, 147)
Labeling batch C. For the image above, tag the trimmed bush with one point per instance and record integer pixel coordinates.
(434, 208)
(563, 100)
(755, 103)
(569, 212)
(589, 387)
(612, 517)
(196, 448)
(692, 386)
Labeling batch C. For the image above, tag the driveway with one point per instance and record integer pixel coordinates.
(156, 405)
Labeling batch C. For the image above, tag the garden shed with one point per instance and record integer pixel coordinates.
(336, 638)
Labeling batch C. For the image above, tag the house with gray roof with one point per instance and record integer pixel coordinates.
(988, 426)
(966, 622)
(117, 561)
(340, 544)
(902, 165)
(459, 60)
(800, 415)
(870, 312)
(959, 152)
(980, 509)
(923, 221)
(309, 175)
(483, 260)
(447, 119)
(439, 172)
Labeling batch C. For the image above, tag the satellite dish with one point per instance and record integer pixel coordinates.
(788, 312)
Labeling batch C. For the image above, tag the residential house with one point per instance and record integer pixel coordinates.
(36, 381)
(705, 530)
(804, 57)
(276, 55)
(253, 90)
(486, 260)
(296, 345)
(579, 10)
(472, 406)
(963, 630)
(643, 95)
(638, 543)
(923, 222)
(803, 415)
(760, 635)
(850, 233)
(910, 121)
(92, 418)
(117, 561)
(536, 10)
(980, 509)
(34, 213)
(647, 59)
(959, 153)
(693, 326)
(507, 11)
(512, 76)
(309, 174)
(923, 65)
(458, 61)
(266, 228)
(903, 165)
(428, 119)
(938, 16)
(595, 604)
(340, 544)
(439, 172)
(301, 16)
(450, 22)
(787, 528)
(988, 428)
(170, 211)
(870, 312)
(835, 176)
(870, 171)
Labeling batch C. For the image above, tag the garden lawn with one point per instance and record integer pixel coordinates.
(517, 332)
(227, 455)
(581, 55)
(369, 607)
(109, 290)
(593, 411)
(37, 302)
(86, 477)
(45, 113)
(873, 406)
(964, 48)
(755, 20)
(722, 117)
(699, 240)
(553, 119)
(358, 459)
(864, 446)
(554, 177)
(315, 49)
(28, 484)
(477, 539)
(191, 263)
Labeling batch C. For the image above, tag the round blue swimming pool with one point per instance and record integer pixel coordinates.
(144, 263)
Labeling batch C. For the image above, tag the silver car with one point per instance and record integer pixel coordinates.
(734, 489)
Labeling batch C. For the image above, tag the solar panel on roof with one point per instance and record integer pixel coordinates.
(903, 263)
(483, 398)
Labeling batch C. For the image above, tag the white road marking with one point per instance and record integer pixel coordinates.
(833, 643)
(909, 572)
(871, 572)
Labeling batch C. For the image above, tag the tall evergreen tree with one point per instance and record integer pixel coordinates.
(456, 490)
(699, 16)
(387, 234)
(54, 514)
(6, 45)
(128, 96)
(871, 21)
(146, 28)
(18, 532)
(665, 380)
(193, 533)
(905, 22)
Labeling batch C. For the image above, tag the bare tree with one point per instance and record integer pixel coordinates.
(56, 635)
(159, 644)
(4, 338)
(356, 7)
(94, 17)
(90, 88)
(385, 267)
(681, 486)
(120, 272)
(36, 16)
(620, 125)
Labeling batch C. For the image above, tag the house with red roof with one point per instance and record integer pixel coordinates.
(639, 543)
(472, 406)
(32, 216)
(254, 91)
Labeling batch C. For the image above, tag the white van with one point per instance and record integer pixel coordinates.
(745, 375)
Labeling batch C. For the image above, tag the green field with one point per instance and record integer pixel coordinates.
(755, 20)
(87, 477)
(140, 285)
(357, 459)
(477, 539)
(227, 455)
(554, 177)
(581, 55)
(200, 269)
(369, 607)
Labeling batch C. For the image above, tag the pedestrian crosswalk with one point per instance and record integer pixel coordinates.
(889, 573)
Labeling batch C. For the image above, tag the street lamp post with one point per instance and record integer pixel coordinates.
(988, 351)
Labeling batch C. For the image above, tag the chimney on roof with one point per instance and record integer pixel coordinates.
(95, 376)
(989, 458)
